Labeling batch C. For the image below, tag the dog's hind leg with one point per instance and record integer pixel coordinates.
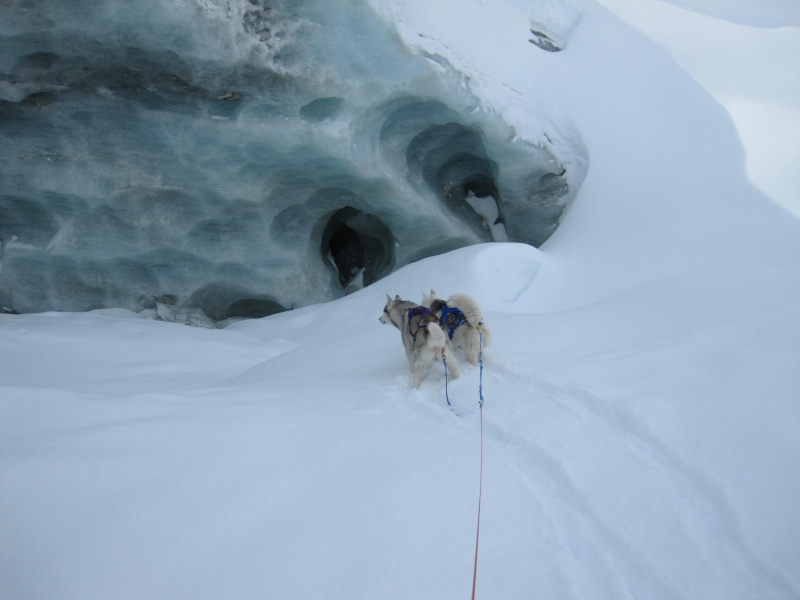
(469, 343)
(418, 370)
(452, 363)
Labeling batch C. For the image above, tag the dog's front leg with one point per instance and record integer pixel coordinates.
(413, 365)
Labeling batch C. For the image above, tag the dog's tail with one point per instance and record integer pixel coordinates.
(468, 306)
(437, 339)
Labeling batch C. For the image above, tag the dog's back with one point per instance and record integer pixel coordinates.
(461, 301)
(418, 324)
(470, 334)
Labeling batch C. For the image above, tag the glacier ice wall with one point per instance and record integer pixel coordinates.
(240, 156)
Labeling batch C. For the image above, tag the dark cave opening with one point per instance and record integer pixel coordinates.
(360, 247)
(480, 185)
(347, 251)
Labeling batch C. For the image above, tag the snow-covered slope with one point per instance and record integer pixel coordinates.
(642, 446)
(744, 54)
(667, 187)
(641, 418)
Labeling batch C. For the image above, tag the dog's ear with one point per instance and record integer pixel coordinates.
(432, 294)
(397, 298)
(389, 300)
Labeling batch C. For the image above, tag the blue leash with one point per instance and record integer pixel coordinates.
(446, 395)
(480, 484)
(480, 361)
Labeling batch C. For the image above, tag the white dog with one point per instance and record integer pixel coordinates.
(463, 320)
(423, 338)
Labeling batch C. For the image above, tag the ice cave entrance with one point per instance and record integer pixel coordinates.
(359, 246)
(231, 162)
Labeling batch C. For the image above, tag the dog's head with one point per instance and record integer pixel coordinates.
(386, 317)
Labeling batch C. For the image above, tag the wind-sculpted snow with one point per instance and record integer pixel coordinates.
(241, 157)
(640, 447)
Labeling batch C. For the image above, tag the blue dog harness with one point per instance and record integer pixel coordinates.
(452, 318)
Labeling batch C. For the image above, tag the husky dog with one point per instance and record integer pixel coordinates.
(461, 324)
(423, 339)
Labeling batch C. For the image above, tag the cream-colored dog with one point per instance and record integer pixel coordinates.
(462, 319)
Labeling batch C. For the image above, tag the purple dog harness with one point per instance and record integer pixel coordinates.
(413, 312)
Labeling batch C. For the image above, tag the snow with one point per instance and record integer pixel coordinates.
(751, 72)
(486, 207)
(642, 415)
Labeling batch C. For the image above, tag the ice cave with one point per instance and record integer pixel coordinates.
(242, 157)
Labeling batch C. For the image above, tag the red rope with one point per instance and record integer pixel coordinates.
(478, 532)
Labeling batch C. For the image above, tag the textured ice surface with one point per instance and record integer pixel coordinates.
(240, 156)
